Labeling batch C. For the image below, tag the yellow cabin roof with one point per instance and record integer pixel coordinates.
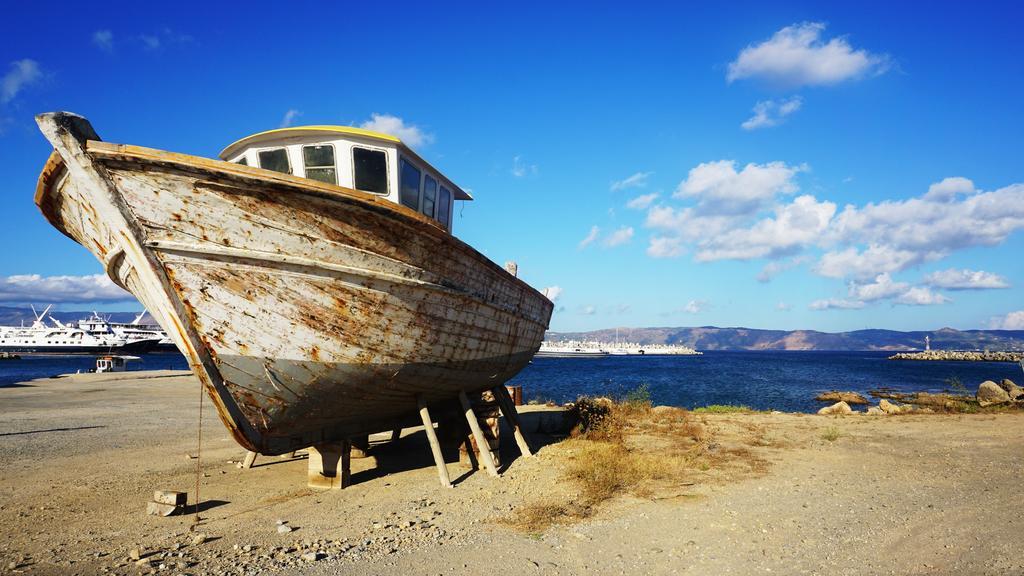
(234, 147)
(303, 131)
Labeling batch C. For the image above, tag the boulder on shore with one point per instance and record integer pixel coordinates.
(1012, 390)
(989, 393)
(840, 408)
(889, 408)
(875, 411)
(837, 396)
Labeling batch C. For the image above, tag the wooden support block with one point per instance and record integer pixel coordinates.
(170, 497)
(330, 466)
(161, 509)
(435, 446)
(478, 434)
(361, 446)
(250, 459)
(516, 393)
(508, 408)
(469, 450)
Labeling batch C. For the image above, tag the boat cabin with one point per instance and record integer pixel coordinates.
(353, 158)
(113, 363)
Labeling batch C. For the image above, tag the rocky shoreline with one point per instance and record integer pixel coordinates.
(960, 355)
(1005, 394)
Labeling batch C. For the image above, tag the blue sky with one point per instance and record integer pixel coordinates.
(792, 165)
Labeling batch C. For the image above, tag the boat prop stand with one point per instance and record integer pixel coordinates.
(508, 410)
(330, 465)
(478, 435)
(435, 445)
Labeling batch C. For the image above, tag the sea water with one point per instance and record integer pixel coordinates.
(763, 380)
(31, 367)
(775, 380)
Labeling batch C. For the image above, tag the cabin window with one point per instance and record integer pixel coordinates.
(409, 190)
(429, 195)
(371, 170)
(444, 204)
(242, 161)
(276, 160)
(318, 160)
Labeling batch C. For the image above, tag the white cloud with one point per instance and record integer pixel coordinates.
(953, 279)
(769, 113)
(665, 247)
(775, 267)
(722, 222)
(720, 189)
(638, 180)
(783, 307)
(29, 288)
(22, 73)
(949, 188)
(619, 237)
(694, 306)
(882, 287)
(289, 117)
(589, 239)
(588, 310)
(411, 134)
(798, 56)
(876, 259)
(921, 296)
(1012, 321)
(552, 292)
(909, 232)
(643, 201)
(794, 226)
(521, 169)
(104, 39)
(165, 38)
(836, 304)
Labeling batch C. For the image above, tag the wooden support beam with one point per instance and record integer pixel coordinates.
(478, 434)
(508, 409)
(250, 459)
(361, 446)
(395, 434)
(330, 465)
(435, 446)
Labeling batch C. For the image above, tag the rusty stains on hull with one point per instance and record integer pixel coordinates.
(309, 311)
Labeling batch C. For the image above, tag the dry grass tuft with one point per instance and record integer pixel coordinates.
(631, 447)
(604, 470)
(539, 516)
(831, 434)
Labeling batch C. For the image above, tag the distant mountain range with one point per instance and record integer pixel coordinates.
(714, 338)
(709, 337)
(15, 316)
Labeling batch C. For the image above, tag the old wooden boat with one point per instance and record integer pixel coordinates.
(310, 277)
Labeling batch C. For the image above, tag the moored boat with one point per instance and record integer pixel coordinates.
(312, 280)
(58, 339)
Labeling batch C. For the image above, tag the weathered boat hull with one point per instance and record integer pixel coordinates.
(311, 313)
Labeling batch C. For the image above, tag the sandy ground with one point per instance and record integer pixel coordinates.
(80, 456)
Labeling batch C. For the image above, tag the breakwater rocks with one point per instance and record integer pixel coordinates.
(960, 355)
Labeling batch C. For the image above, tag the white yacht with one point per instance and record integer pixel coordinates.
(569, 350)
(42, 338)
(133, 331)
